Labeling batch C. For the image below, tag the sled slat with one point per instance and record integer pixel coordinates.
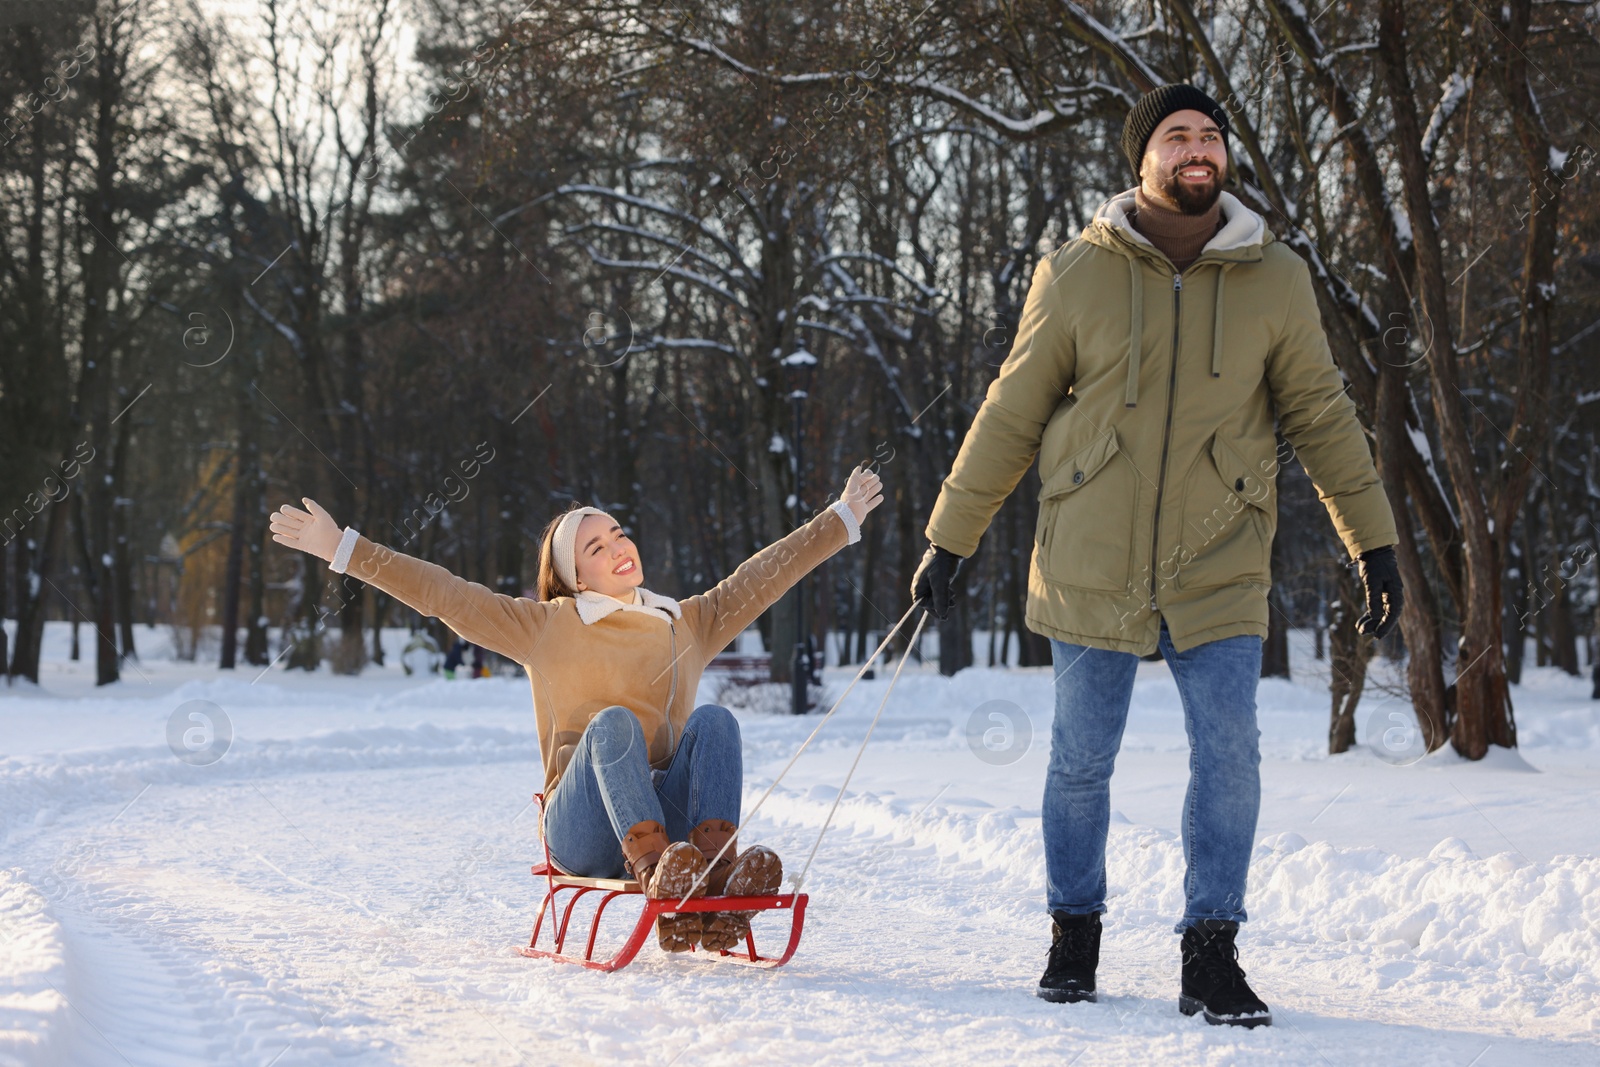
(619, 885)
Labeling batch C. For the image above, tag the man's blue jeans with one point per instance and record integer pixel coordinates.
(608, 787)
(1217, 684)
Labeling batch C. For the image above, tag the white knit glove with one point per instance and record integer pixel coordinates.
(312, 531)
(863, 492)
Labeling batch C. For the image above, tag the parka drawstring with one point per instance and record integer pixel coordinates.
(1216, 328)
(1130, 396)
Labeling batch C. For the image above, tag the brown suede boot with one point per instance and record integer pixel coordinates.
(657, 864)
(717, 928)
(757, 872)
(709, 837)
(681, 866)
(642, 847)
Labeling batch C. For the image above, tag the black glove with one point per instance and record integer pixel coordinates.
(1380, 576)
(935, 574)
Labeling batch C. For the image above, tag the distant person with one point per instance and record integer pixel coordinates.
(635, 781)
(454, 658)
(1154, 355)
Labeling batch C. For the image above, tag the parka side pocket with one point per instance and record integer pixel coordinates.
(1086, 507)
(1227, 526)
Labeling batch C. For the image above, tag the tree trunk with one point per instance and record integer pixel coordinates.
(1033, 650)
(1563, 635)
(255, 641)
(93, 505)
(1348, 660)
(5, 607)
(955, 629)
(1275, 651)
(1320, 629)
(1419, 618)
(35, 562)
(1516, 611)
(121, 557)
(873, 536)
(304, 630)
(1594, 658)
(990, 600)
(232, 571)
(909, 548)
(380, 609)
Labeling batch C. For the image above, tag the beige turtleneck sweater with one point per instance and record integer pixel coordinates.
(1180, 237)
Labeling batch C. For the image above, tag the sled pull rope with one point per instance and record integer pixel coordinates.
(800, 879)
(795, 758)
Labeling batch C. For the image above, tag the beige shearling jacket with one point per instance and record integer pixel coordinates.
(582, 658)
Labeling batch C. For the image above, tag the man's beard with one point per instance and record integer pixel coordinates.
(1192, 200)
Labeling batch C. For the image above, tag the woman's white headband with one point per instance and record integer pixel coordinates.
(563, 549)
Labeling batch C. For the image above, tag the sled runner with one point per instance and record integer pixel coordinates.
(560, 917)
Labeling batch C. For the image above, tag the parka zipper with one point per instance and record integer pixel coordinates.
(672, 691)
(1166, 440)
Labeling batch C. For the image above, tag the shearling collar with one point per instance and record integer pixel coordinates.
(592, 606)
(1241, 229)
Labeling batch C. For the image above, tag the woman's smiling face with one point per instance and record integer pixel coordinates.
(607, 561)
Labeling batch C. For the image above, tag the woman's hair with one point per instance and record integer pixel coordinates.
(550, 584)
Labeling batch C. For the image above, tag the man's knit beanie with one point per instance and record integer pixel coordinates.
(1156, 105)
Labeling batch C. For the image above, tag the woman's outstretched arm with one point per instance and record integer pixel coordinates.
(505, 624)
(721, 613)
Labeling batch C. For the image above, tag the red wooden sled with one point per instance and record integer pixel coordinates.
(611, 888)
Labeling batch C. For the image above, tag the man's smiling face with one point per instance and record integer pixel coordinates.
(1185, 163)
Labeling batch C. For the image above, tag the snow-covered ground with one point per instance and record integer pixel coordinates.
(348, 881)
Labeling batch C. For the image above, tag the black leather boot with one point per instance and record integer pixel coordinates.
(1074, 956)
(1213, 981)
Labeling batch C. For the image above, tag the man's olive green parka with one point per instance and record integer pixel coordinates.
(1150, 398)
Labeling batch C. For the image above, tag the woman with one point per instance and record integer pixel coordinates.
(635, 782)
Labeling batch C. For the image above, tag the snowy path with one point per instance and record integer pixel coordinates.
(347, 885)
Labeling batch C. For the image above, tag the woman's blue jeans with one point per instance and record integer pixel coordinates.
(1217, 685)
(609, 787)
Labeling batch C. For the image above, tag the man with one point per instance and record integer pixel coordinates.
(1153, 355)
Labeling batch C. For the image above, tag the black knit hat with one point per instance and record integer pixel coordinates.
(1156, 105)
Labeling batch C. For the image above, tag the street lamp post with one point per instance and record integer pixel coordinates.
(799, 365)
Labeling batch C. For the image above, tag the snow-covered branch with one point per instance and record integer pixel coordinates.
(886, 263)
(1107, 40)
(1456, 88)
(736, 275)
(654, 206)
(286, 331)
(694, 343)
(1344, 50)
(662, 269)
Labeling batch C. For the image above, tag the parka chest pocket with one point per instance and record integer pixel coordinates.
(1228, 521)
(1086, 507)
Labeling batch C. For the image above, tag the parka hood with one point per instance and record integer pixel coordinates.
(1244, 233)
